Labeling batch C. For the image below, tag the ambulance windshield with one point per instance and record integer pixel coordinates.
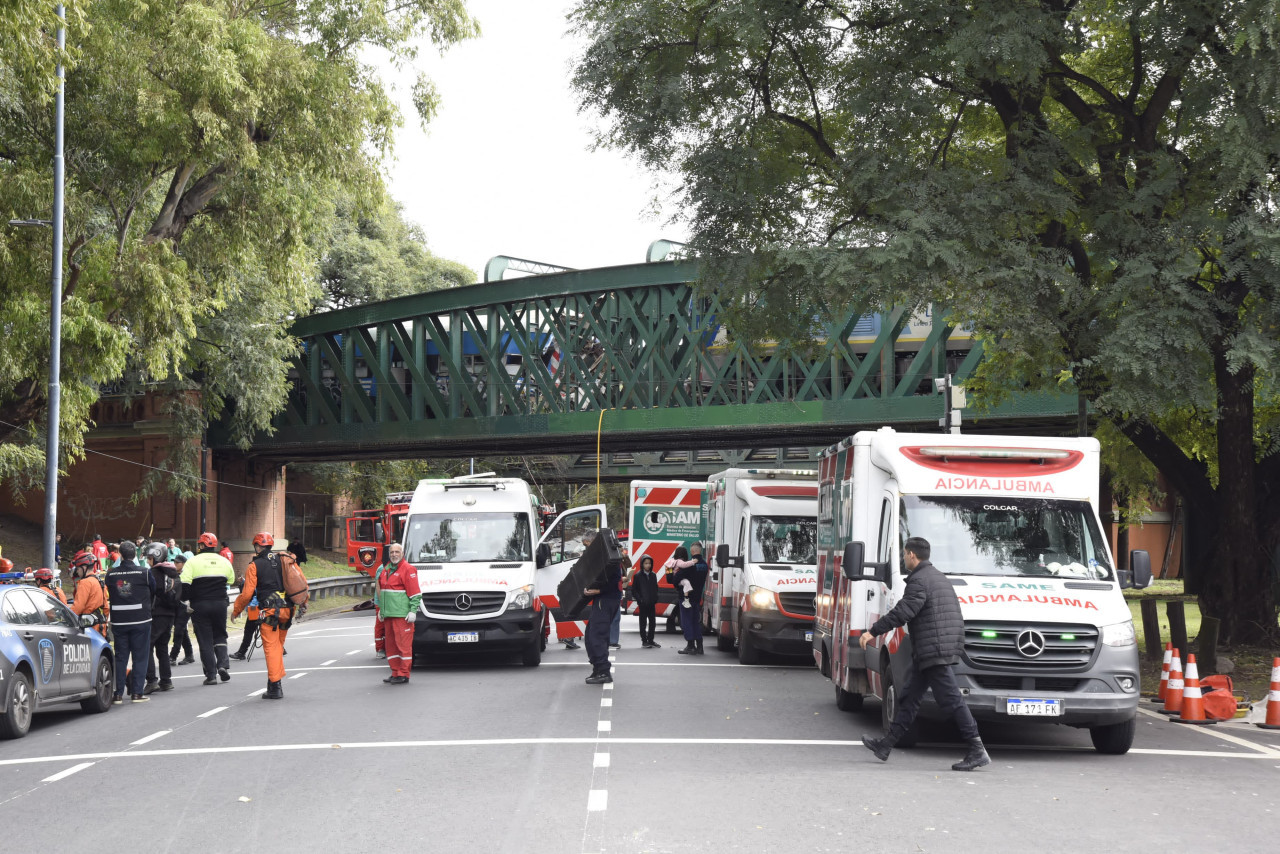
(783, 539)
(1008, 536)
(466, 537)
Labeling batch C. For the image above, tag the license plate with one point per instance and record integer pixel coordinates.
(1034, 708)
(464, 637)
(808, 636)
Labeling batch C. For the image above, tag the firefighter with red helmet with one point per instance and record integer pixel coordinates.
(91, 592)
(265, 579)
(44, 579)
(205, 579)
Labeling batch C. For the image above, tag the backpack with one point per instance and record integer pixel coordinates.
(296, 589)
(170, 594)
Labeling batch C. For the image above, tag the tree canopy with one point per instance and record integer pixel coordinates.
(214, 151)
(1090, 184)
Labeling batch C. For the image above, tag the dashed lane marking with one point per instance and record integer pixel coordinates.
(355, 652)
(53, 778)
(212, 712)
(600, 760)
(604, 726)
(149, 738)
(256, 693)
(596, 741)
(298, 675)
(606, 702)
(327, 663)
(597, 800)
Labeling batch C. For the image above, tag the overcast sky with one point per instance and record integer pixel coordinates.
(506, 167)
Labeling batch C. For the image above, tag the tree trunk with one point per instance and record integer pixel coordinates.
(1237, 590)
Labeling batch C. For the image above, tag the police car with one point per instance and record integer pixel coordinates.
(47, 657)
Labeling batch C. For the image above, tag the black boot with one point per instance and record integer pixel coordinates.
(975, 757)
(880, 745)
(689, 649)
(274, 692)
(699, 652)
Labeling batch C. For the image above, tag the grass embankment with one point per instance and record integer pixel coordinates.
(1252, 664)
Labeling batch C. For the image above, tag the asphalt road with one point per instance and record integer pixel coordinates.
(677, 755)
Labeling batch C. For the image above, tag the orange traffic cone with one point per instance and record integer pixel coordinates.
(1173, 695)
(1164, 672)
(1273, 699)
(1193, 698)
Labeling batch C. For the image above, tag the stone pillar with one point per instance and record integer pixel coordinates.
(250, 498)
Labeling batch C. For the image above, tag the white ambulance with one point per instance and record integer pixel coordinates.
(664, 515)
(762, 529)
(1013, 521)
(484, 574)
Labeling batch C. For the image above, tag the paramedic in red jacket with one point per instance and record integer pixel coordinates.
(398, 601)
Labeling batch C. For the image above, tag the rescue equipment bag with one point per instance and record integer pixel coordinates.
(296, 589)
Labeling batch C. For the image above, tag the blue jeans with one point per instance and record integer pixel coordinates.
(132, 642)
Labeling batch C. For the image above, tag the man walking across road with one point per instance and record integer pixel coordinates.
(399, 598)
(644, 590)
(205, 579)
(264, 581)
(131, 587)
(930, 610)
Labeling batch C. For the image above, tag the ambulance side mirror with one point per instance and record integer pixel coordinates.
(854, 557)
(722, 555)
(1139, 573)
(544, 554)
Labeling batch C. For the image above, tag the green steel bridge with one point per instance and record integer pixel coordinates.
(629, 357)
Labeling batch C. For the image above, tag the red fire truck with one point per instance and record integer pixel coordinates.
(369, 531)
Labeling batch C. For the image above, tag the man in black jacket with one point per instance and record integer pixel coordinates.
(930, 610)
(130, 588)
(164, 609)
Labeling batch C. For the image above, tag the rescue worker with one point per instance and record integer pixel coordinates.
(399, 599)
(205, 579)
(181, 637)
(264, 579)
(131, 588)
(226, 552)
(930, 610)
(99, 549)
(91, 591)
(44, 578)
(380, 627)
(164, 610)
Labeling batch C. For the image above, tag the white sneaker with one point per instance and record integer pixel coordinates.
(380, 654)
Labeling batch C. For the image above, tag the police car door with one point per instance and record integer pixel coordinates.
(562, 545)
(76, 669)
(41, 641)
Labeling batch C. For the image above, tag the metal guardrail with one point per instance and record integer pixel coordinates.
(342, 585)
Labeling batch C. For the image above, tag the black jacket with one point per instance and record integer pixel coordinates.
(161, 571)
(644, 587)
(130, 588)
(931, 612)
(697, 575)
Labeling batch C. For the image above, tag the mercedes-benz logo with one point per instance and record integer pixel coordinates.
(464, 604)
(1030, 643)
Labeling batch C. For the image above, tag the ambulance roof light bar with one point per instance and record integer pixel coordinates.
(979, 453)
(771, 473)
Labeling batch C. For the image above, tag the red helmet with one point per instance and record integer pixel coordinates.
(208, 540)
(43, 574)
(264, 539)
(6, 565)
(84, 559)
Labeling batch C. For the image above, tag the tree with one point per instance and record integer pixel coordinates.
(1090, 184)
(209, 143)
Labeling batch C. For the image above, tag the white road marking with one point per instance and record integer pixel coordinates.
(597, 800)
(603, 726)
(53, 778)
(355, 652)
(327, 663)
(607, 701)
(152, 737)
(256, 693)
(594, 741)
(318, 631)
(600, 760)
(608, 686)
(1225, 736)
(212, 712)
(298, 675)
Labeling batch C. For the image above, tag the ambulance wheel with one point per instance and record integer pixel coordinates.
(532, 655)
(889, 708)
(101, 699)
(724, 642)
(18, 705)
(747, 652)
(847, 701)
(1115, 739)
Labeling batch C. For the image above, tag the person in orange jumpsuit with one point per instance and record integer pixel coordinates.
(91, 593)
(265, 579)
(44, 578)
